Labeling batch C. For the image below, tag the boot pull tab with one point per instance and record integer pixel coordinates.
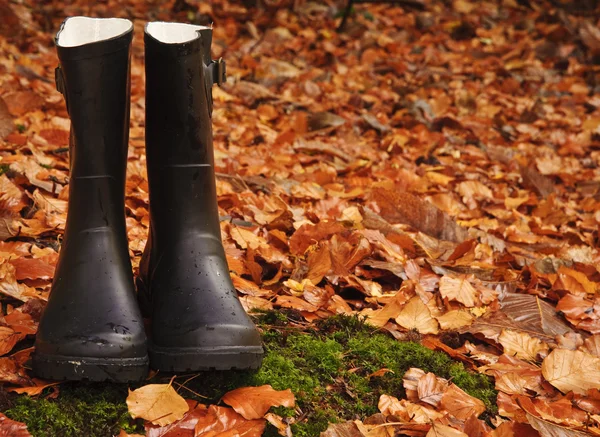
(217, 71)
(214, 73)
(59, 80)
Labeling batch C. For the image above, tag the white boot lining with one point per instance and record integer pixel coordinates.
(173, 33)
(78, 31)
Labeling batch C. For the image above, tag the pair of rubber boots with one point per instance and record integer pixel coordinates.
(92, 327)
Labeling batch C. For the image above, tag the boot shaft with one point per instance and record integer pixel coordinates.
(94, 76)
(179, 150)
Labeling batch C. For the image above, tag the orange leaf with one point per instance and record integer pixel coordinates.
(225, 422)
(459, 289)
(11, 428)
(460, 404)
(254, 402)
(416, 315)
(572, 370)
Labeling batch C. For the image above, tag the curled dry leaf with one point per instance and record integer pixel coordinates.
(254, 402)
(572, 370)
(549, 429)
(224, 422)
(11, 428)
(416, 315)
(157, 403)
(459, 289)
(430, 389)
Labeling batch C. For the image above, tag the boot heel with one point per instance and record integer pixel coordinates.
(172, 359)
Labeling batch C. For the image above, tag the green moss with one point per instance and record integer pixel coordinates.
(81, 409)
(327, 367)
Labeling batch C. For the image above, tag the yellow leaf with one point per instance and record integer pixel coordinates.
(572, 370)
(455, 319)
(459, 289)
(416, 315)
(158, 403)
(521, 345)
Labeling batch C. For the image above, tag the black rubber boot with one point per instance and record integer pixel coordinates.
(92, 327)
(197, 320)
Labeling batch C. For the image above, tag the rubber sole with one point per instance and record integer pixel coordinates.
(90, 369)
(196, 359)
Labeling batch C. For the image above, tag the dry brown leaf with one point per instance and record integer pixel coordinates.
(521, 345)
(439, 430)
(225, 422)
(459, 289)
(11, 196)
(8, 339)
(12, 371)
(34, 390)
(548, 429)
(319, 263)
(534, 315)
(455, 319)
(344, 429)
(430, 389)
(572, 370)
(11, 428)
(123, 433)
(390, 311)
(6, 123)
(157, 403)
(460, 404)
(10, 287)
(254, 402)
(410, 381)
(403, 207)
(416, 315)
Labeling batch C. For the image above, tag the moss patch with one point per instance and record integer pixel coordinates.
(327, 367)
(80, 410)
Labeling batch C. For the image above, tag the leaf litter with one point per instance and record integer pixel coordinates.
(434, 168)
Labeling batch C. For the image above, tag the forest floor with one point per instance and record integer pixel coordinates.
(410, 210)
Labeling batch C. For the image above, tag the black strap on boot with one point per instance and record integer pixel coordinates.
(59, 81)
(214, 73)
(217, 72)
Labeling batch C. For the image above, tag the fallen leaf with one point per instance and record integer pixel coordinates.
(344, 429)
(572, 370)
(158, 403)
(254, 402)
(455, 319)
(430, 389)
(460, 404)
(416, 315)
(459, 289)
(548, 429)
(521, 344)
(11, 428)
(439, 430)
(225, 422)
(6, 123)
